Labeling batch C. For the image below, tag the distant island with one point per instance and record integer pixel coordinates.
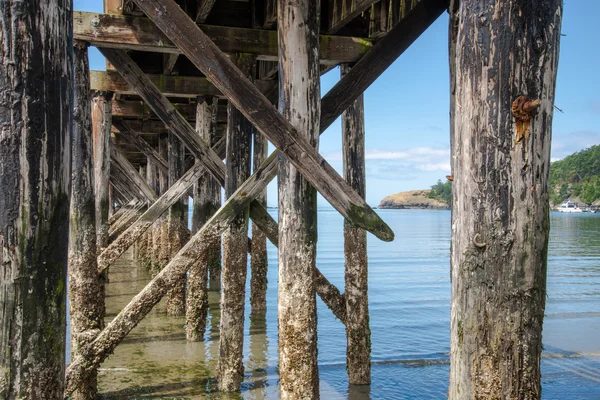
(414, 199)
(575, 178)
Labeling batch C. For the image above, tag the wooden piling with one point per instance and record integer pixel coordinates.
(358, 332)
(299, 103)
(500, 218)
(207, 193)
(36, 59)
(152, 180)
(160, 238)
(101, 127)
(258, 251)
(235, 245)
(86, 290)
(177, 231)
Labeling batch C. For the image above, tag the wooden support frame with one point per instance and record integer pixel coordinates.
(121, 162)
(143, 146)
(134, 312)
(181, 187)
(260, 112)
(171, 86)
(97, 347)
(341, 12)
(139, 33)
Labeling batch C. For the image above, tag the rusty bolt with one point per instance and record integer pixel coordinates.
(524, 108)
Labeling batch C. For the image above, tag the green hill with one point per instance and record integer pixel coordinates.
(577, 175)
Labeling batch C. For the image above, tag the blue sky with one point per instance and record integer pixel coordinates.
(406, 109)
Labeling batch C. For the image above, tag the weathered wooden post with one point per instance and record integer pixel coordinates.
(101, 127)
(235, 245)
(161, 246)
(506, 63)
(86, 290)
(299, 95)
(35, 124)
(152, 180)
(258, 252)
(177, 232)
(141, 245)
(358, 332)
(207, 193)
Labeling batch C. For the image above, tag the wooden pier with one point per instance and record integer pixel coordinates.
(95, 163)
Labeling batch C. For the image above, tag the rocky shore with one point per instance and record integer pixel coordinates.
(414, 199)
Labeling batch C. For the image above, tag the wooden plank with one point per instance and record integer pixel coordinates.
(139, 33)
(169, 62)
(141, 145)
(341, 12)
(138, 109)
(261, 113)
(171, 86)
(204, 9)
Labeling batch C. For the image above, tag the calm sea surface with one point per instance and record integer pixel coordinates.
(409, 296)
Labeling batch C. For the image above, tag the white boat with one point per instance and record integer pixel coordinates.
(569, 207)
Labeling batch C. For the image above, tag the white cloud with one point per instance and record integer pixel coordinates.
(403, 164)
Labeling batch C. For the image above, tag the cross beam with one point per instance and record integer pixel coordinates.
(171, 86)
(207, 57)
(139, 33)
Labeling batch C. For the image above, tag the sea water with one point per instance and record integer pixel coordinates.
(409, 300)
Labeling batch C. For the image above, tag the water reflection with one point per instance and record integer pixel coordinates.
(409, 293)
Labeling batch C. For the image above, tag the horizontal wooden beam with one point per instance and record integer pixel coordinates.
(139, 33)
(343, 11)
(170, 86)
(139, 109)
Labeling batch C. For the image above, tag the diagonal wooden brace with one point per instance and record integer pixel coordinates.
(132, 175)
(174, 193)
(198, 47)
(132, 137)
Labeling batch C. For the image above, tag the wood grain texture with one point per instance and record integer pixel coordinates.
(378, 59)
(299, 95)
(36, 106)
(139, 33)
(172, 86)
(101, 127)
(86, 291)
(207, 200)
(500, 207)
(235, 245)
(358, 331)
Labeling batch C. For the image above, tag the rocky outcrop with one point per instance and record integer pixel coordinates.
(414, 199)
